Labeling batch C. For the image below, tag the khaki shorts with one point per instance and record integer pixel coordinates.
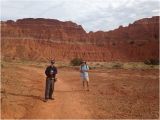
(85, 79)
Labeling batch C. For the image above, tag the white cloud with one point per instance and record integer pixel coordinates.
(93, 15)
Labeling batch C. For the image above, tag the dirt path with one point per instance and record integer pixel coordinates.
(67, 104)
(114, 93)
(68, 95)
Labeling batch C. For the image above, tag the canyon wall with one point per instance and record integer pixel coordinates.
(40, 39)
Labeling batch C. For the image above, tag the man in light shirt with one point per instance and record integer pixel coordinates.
(84, 74)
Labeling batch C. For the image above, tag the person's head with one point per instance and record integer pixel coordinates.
(52, 62)
(83, 62)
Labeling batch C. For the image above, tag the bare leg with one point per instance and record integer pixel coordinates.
(87, 85)
(83, 84)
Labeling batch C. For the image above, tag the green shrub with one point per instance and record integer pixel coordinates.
(117, 66)
(76, 61)
(152, 62)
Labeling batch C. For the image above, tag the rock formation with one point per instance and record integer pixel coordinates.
(40, 39)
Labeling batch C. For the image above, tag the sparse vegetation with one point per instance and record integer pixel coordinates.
(122, 65)
(76, 61)
(97, 64)
(152, 62)
(2, 65)
(92, 68)
(124, 88)
(117, 65)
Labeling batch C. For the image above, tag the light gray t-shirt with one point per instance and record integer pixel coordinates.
(83, 68)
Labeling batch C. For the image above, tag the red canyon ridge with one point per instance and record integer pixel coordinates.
(40, 39)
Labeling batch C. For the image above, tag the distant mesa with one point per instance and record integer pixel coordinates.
(39, 39)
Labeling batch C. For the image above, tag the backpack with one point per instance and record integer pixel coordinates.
(85, 65)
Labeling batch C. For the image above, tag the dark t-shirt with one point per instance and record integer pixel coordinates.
(51, 71)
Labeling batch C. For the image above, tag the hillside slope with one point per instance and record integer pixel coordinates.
(40, 39)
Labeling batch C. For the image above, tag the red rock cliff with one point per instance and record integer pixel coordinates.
(39, 39)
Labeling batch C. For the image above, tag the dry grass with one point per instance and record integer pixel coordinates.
(122, 65)
(93, 65)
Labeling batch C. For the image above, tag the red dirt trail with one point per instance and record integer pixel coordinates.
(114, 93)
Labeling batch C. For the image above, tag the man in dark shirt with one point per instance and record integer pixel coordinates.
(50, 72)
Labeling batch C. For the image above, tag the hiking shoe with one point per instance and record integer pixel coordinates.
(51, 98)
(45, 100)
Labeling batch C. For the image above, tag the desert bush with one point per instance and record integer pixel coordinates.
(97, 64)
(117, 65)
(152, 62)
(101, 65)
(76, 61)
(92, 67)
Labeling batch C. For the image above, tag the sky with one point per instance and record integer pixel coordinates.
(93, 15)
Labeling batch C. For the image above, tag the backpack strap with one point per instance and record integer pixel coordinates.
(85, 66)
